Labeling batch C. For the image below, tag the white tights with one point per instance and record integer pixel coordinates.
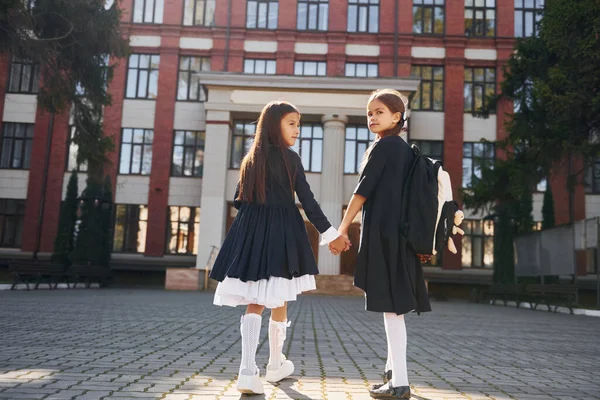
(395, 332)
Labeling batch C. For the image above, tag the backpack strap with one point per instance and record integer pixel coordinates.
(404, 225)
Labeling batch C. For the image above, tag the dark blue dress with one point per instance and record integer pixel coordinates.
(270, 240)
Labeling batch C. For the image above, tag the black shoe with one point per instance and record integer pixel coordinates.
(386, 376)
(387, 391)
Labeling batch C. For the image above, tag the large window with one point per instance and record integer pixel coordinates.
(136, 151)
(433, 149)
(430, 96)
(189, 87)
(131, 224)
(262, 14)
(241, 140)
(199, 12)
(428, 17)
(188, 154)
(184, 225)
(478, 243)
(313, 15)
(358, 139)
(592, 177)
(476, 156)
(527, 14)
(310, 68)
(72, 158)
(24, 77)
(310, 147)
(148, 11)
(362, 70)
(479, 84)
(480, 18)
(259, 67)
(142, 76)
(12, 217)
(363, 16)
(15, 149)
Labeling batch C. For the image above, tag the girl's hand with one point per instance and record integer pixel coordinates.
(340, 244)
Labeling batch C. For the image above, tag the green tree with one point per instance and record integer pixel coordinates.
(72, 42)
(548, 209)
(554, 81)
(63, 243)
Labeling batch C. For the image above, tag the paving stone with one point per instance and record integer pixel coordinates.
(154, 344)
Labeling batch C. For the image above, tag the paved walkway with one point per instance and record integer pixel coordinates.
(114, 343)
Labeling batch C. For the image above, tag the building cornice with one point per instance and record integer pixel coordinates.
(302, 83)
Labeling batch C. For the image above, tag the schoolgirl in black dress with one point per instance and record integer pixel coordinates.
(387, 269)
(266, 259)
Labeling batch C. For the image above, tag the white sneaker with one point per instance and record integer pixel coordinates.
(250, 384)
(285, 369)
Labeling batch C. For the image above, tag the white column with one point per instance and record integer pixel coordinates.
(332, 184)
(213, 201)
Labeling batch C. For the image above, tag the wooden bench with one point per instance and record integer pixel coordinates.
(551, 295)
(37, 272)
(88, 274)
(505, 292)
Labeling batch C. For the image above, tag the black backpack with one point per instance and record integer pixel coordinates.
(427, 205)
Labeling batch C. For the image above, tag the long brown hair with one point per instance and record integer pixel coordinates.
(253, 171)
(396, 102)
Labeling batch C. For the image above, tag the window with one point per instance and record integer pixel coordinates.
(428, 17)
(17, 140)
(592, 177)
(72, 156)
(184, 225)
(199, 12)
(476, 156)
(188, 154)
(431, 148)
(131, 224)
(262, 67)
(527, 14)
(148, 11)
(478, 243)
(430, 96)
(479, 84)
(241, 140)
(480, 18)
(262, 14)
(313, 15)
(310, 147)
(362, 70)
(358, 139)
(363, 16)
(136, 151)
(310, 68)
(142, 76)
(12, 218)
(189, 87)
(24, 77)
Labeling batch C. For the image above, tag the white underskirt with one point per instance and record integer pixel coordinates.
(271, 293)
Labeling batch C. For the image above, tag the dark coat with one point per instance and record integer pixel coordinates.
(387, 269)
(270, 239)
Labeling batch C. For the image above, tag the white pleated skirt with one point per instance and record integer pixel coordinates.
(271, 293)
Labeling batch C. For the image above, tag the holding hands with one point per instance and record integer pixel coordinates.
(342, 243)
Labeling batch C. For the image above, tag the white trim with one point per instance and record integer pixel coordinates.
(428, 52)
(259, 46)
(481, 54)
(144, 41)
(311, 48)
(195, 43)
(362, 50)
